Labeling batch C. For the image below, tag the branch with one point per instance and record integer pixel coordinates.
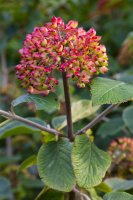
(68, 106)
(81, 194)
(29, 122)
(97, 119)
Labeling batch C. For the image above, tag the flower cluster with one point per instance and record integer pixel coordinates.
(62, 47)
(121, 152)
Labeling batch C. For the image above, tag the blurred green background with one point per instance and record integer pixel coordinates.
(113, 20)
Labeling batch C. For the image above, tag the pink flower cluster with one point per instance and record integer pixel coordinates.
(63, 47)
(121, 152)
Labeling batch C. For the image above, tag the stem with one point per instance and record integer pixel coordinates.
(81, 194)
(68, 107)
(72, 195)
(29, 122)
(97, 119)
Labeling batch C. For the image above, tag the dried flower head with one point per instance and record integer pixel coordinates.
(63, 47)
(121, 152)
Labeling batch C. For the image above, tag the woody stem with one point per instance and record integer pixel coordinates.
(68, 107)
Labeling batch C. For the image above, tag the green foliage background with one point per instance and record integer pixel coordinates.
(113, 19)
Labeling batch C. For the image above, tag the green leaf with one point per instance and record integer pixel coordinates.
(17, 128)
(5, 188)
(106, 128)
(83, 109)
(118, 196)
(119, 184)
(89, 162)
(54, 165)
(128, 117)
(107, 91)
(28, 163)
(104, 187)
(80, 110)
(59, 122)
(48, 103)
(49, 194)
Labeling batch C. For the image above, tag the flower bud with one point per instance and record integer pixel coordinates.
(44, 42)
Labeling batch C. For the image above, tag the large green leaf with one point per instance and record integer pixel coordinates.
(28, 163)
(119, 184)
(54, 165)
(118, 196)
(128, 117)
(5, 188)
(49, 194)
(89, 162)
(48, 103)
(106, 128)
(107, 91)
(80, 110)
(16, 128)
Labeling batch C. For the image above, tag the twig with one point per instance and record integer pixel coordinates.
(68, 107)
(81, 194)
(29, 122)
(97, 119)
(5, 122)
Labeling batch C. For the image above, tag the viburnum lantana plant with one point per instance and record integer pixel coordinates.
(69, 164)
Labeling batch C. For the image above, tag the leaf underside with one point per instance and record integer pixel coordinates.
(17, 128)
(48, 103)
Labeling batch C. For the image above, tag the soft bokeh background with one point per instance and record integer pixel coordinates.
(113, 19)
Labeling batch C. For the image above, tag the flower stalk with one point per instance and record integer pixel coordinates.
(68, 107)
